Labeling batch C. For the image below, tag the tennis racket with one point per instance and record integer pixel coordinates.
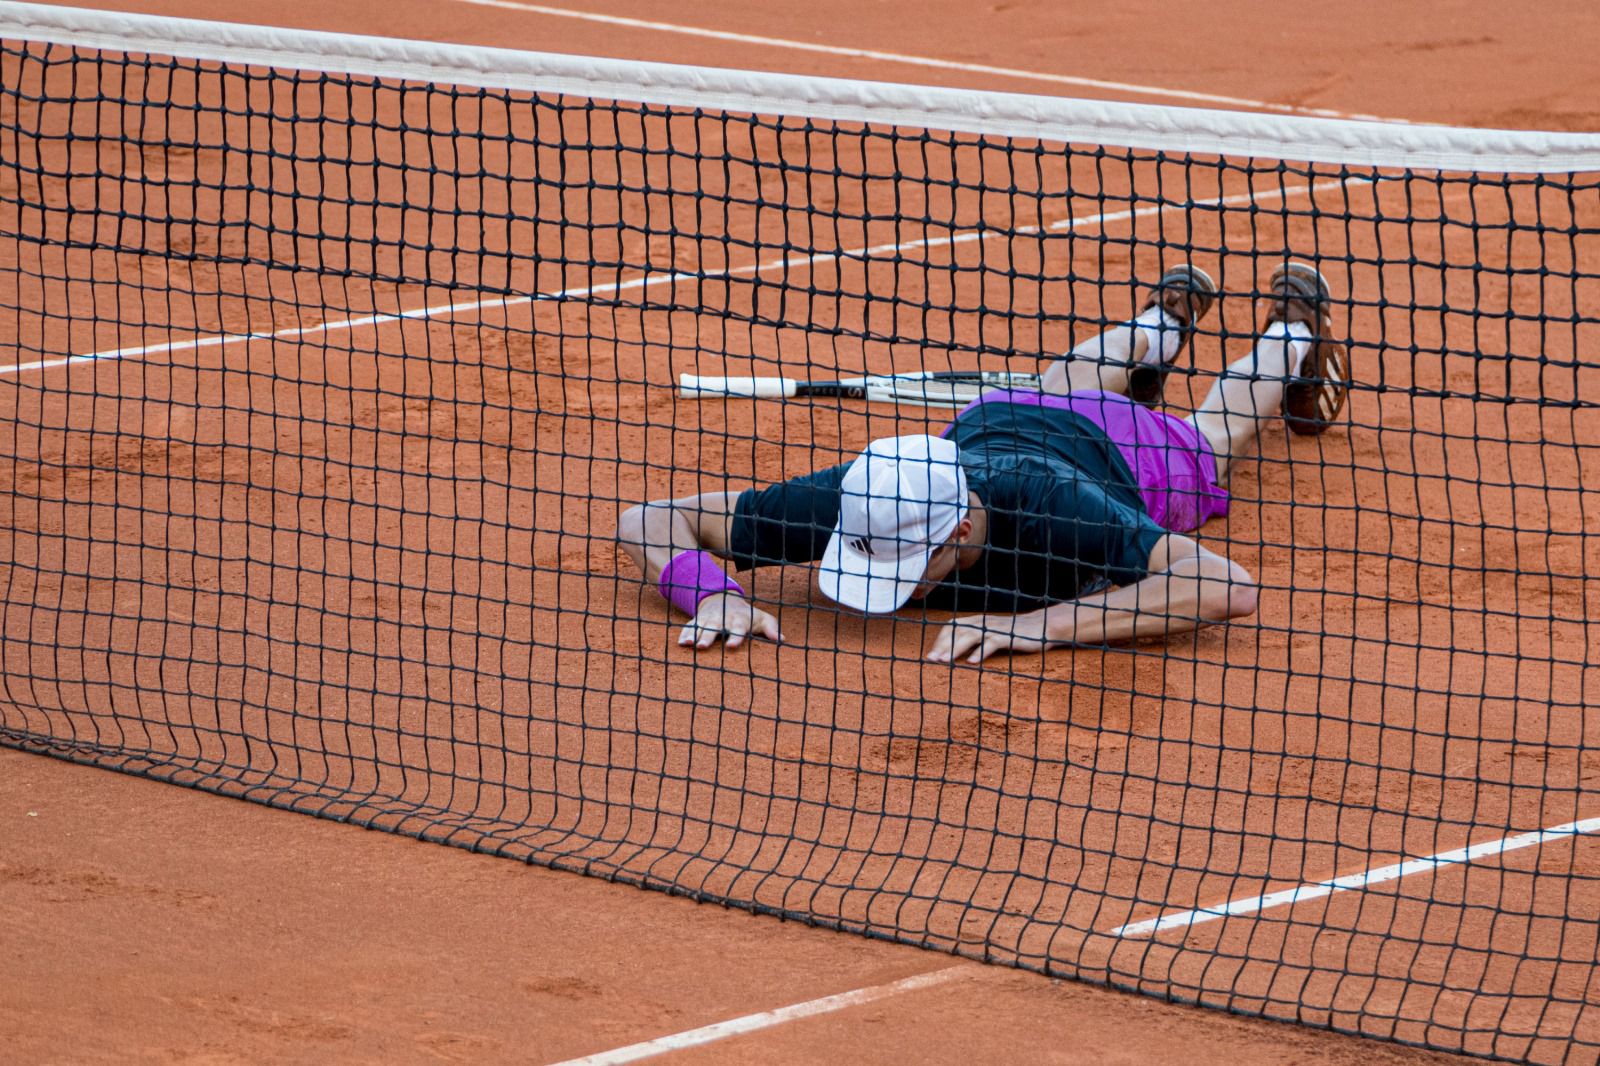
(927, 388)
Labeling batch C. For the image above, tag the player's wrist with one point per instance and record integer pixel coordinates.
(692, 577)
(1060, 623)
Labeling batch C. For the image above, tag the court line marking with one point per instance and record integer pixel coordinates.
(766, 1019)
(644, 281)
(1378, 875)
(922, 61)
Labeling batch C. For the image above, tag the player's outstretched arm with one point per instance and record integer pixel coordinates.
(1187, 586)
(680, 537)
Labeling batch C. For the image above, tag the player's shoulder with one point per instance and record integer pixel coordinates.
(1023, 481)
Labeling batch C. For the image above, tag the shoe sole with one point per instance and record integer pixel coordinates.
(1320, 385)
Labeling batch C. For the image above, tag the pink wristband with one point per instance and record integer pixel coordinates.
(691, 577)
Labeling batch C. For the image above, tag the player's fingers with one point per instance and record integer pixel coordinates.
(767, 626)
(708, 637)
(952, 641)
(987, 647)
(686, 634)
(975, 645)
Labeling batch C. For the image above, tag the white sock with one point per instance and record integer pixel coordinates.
(1162, 333)
(1298, 335)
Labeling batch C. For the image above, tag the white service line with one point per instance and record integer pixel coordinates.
(645, 281)
(1300, 894)
(765, 1019)
(443, 310)
(921, 61)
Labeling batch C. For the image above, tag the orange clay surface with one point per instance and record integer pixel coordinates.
(163, 924)
(152, 924)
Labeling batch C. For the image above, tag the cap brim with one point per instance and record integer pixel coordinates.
(871, 586)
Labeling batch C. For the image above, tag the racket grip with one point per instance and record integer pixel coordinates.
(693, 387)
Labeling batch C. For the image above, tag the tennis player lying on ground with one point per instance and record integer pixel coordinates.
(1059, 514)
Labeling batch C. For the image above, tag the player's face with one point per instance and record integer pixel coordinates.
(940, 563)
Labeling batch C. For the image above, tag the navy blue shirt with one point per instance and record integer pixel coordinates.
(1065, 515)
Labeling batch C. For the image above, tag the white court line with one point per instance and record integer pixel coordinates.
(764, 1020)
(1304, 892)
(921, 61)
(646, 281)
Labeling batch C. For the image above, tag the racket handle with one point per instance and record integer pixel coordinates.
(693, 387)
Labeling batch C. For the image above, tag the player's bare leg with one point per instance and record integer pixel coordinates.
(1294, 370)
(1135, 358)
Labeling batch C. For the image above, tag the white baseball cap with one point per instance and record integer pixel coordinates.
(899, 501)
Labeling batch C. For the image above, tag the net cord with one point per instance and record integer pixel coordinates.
(1015, 115)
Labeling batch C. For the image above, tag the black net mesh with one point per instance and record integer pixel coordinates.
(322, 397)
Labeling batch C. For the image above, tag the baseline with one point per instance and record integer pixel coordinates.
(923, 61)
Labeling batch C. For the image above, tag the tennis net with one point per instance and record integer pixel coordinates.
(328, 365)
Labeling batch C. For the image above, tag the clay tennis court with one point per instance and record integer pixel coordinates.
(1416, 673)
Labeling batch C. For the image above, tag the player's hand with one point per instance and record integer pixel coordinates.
(976, 637)
(731, 616)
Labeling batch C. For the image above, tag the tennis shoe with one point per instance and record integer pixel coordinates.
(1319, 385)
(1186, 293)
